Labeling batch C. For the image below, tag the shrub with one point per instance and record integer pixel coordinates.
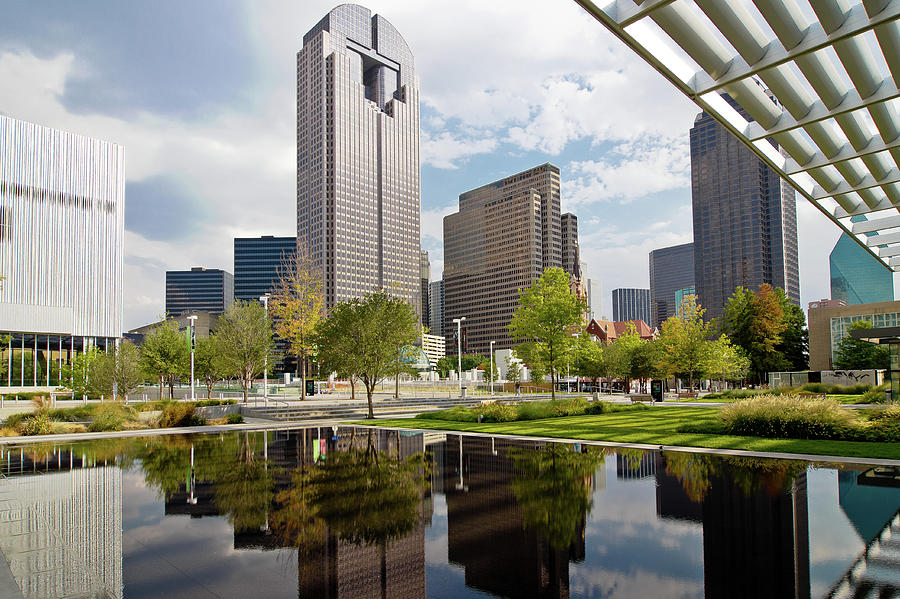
(204, 403)
(38, 424)
(875, 394)
(77, 414)
(179, 414)
(234, 419)
(835, 389)
(497, 412)
(883, 424)
(15, 421)
(788, 417)
(111, 416)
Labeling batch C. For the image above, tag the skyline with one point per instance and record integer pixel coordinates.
(207, 119)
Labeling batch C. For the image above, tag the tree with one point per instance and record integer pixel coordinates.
(756, 322)
(77, 374)
(544, 321)
(513, 371)
(244, 338)
(208, 364)
(165, 355)
(684, 342)
(297, 305)
(589, 359)
(117, 372)
(625, 359)
(725, 361)
(856, 354)
(444, 365)
(361, 337)
(794, 346)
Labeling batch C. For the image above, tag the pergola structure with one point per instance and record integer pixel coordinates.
(819, 79)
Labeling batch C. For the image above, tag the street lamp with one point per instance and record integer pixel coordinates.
(192, 320)
(492, 368)
(265, 300)
(458, 322)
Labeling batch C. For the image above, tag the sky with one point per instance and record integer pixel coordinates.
(202, 95)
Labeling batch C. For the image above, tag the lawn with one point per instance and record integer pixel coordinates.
(656, 426)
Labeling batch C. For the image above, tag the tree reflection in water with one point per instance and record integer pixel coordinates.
(695, 472)
(554, 489)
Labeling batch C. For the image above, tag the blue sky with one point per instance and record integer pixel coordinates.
(202, 96)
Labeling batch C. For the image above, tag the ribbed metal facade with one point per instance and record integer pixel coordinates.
(62, 206)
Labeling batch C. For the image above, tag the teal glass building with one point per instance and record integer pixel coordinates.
(856, 276)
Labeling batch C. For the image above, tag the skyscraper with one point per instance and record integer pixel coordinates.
(631, 304)
(671, 269)
(258, 262)
(493, 248)
(571, 254)
(199, 290)
(436, 307)
(745, 219)
(856, 276)
(358, 156)
(595, 298)
(62, 207)
(424, 281)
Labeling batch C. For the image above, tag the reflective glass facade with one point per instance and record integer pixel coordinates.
(571, 253)
(258, 262)
(28, 360)
(631, 304)
(436, 307)
(358, 156)
(199, 290)
(840, 325)
(856, 276)
(745, 219)
(671, 269)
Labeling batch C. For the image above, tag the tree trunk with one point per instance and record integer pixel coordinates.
(302, 361)
(369, 390)
(171, 387)
(162, 386)
(397, 385)
(245, 385)
(352, 387)
(209, 385)
(552, 383)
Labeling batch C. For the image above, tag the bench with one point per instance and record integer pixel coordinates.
(687, 395)
(806, 395)
(636, 397)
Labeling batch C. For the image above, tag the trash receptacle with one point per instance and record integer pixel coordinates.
(462, 391)
(656, 390)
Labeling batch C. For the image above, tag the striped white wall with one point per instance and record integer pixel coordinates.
(62, 207)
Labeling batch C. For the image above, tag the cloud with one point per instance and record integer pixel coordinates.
(445, 150)
(631, 170)
(163, 207)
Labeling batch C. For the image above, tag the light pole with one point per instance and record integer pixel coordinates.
(458, 322)
(265, 300)
(492, 368)
(192, 320)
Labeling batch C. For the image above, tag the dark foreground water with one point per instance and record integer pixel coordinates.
(353, 513)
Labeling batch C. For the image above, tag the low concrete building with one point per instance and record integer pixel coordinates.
(433, 347)
(828, 325)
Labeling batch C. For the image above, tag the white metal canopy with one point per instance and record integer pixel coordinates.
(831, 67)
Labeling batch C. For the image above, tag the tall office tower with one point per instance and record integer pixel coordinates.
(856, 276)
(436, 307)
(745, 218)
(199, 290)
(595, 298)
(425, 281)
(62, 209)
(493, 248)
(358, 156)
(671, 270)
(631, 304)
(258, 263)
(571, 255)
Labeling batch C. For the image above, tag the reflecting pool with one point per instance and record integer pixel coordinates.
(347, 512)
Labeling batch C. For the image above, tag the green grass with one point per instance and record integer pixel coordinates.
(659, 425)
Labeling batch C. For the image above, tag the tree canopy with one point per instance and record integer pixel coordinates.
(684, 342)
(244, 339)
(165, 355)
(543, 323)
(856, 354)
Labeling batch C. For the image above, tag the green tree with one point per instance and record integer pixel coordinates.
(684, 342)
(856, 354)
(361, 337)
(165, 355)
(444, 365)
(297, 305)
(794, 346)
(626, 358)
(755, 322)
(513, 371)
(725, 361)
(208, 363)
(77, 374)
(244, 338)
(117, 372)
(544, 321)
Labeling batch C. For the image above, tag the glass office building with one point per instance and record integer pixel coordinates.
(358, 156)
(745, 218)
(856, 276)
(258, 264)
(631, 304)
(671, 269)
(199, 290)
(62, 203)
